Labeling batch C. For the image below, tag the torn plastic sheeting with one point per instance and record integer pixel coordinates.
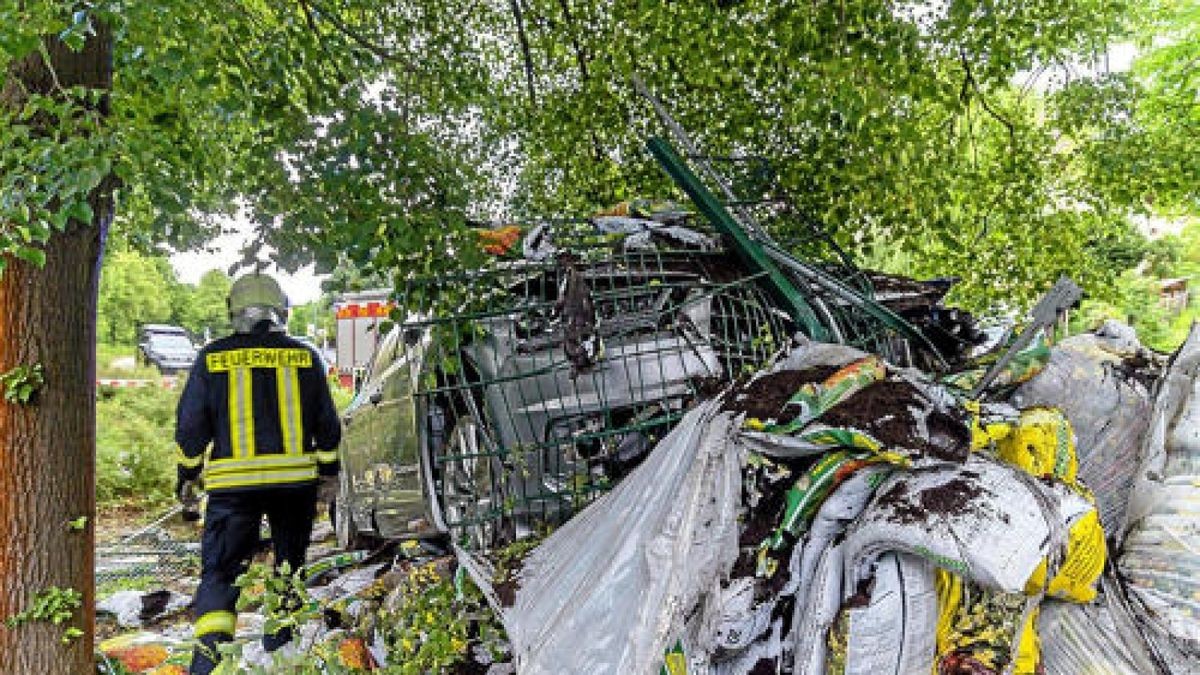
(810, 494)
(1102, 636)
(769, 650)
(816, 611)
(1082, 638)
(835, 515)
(779, 447)
(731, 620)
(1164, 512)
(984, 521)
(640, 232)
(1172, 446)
(842, 505)
(810, 354)
(350, 583)
(1108, 411)
(628, 567)
(895, 632)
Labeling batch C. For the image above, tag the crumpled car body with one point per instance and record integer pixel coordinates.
(490, 424)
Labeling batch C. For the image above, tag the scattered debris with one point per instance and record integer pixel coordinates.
(917, 531)
(858, 559)
(134, 609)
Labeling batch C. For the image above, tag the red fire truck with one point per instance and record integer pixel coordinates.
(358, 318)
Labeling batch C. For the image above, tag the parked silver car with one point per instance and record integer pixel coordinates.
(168, 348)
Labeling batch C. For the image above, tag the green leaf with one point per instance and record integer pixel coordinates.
(82, 212)
(35, 256)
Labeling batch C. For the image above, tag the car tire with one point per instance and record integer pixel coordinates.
(470, 495)
(341, 517)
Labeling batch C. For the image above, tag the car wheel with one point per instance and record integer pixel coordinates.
(340, 512)
(470, 478)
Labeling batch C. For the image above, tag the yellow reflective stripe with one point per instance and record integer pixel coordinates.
(326, 456)
(241, 412)
(229, 464)
(216, 622)
(257, 357)
(187, 462)
(248, 450)
(285, 426)
(287, 389)
(232, 391)
(254, 478)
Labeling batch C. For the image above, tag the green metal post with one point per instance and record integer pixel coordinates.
(748, 250)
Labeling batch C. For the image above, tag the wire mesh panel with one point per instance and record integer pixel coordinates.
(830, 297)
(151, 554)
(551, 379)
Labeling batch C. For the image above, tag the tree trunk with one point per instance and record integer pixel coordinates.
(48, 448)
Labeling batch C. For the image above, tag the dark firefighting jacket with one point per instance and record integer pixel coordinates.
(262, 401)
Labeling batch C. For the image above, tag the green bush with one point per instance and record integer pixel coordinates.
(1137, 303)
(135, 447)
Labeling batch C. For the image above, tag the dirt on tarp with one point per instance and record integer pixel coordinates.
(888, 411)
(951, 498)
(904, 511)
(1139, 368)
(760, 523)
(764, 398)
(955, 497)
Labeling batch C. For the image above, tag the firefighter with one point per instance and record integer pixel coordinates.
(262, 402)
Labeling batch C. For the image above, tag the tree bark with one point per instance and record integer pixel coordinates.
(48, 449)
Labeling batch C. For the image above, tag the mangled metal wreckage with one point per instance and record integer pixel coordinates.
(566, 360)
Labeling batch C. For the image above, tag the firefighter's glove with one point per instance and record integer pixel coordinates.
(327, 489)
(187, 491)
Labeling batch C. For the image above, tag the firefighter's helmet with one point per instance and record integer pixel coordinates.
(255, 298)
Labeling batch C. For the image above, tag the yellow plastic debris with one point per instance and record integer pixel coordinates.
(1042, 443)
(1086, 555)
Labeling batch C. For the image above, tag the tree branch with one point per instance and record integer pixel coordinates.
(580, 56)
(584, 77)
(379, 51)
(969, 81)
(311, 21)
(524, 40)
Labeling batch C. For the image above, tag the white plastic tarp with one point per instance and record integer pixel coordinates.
(896, 632)
(608, 591)
(984, 521)
(1160, 557)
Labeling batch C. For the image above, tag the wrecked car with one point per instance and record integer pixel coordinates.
(511, 396)
(489, 424)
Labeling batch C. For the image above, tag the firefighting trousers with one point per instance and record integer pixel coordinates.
(231, 537)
